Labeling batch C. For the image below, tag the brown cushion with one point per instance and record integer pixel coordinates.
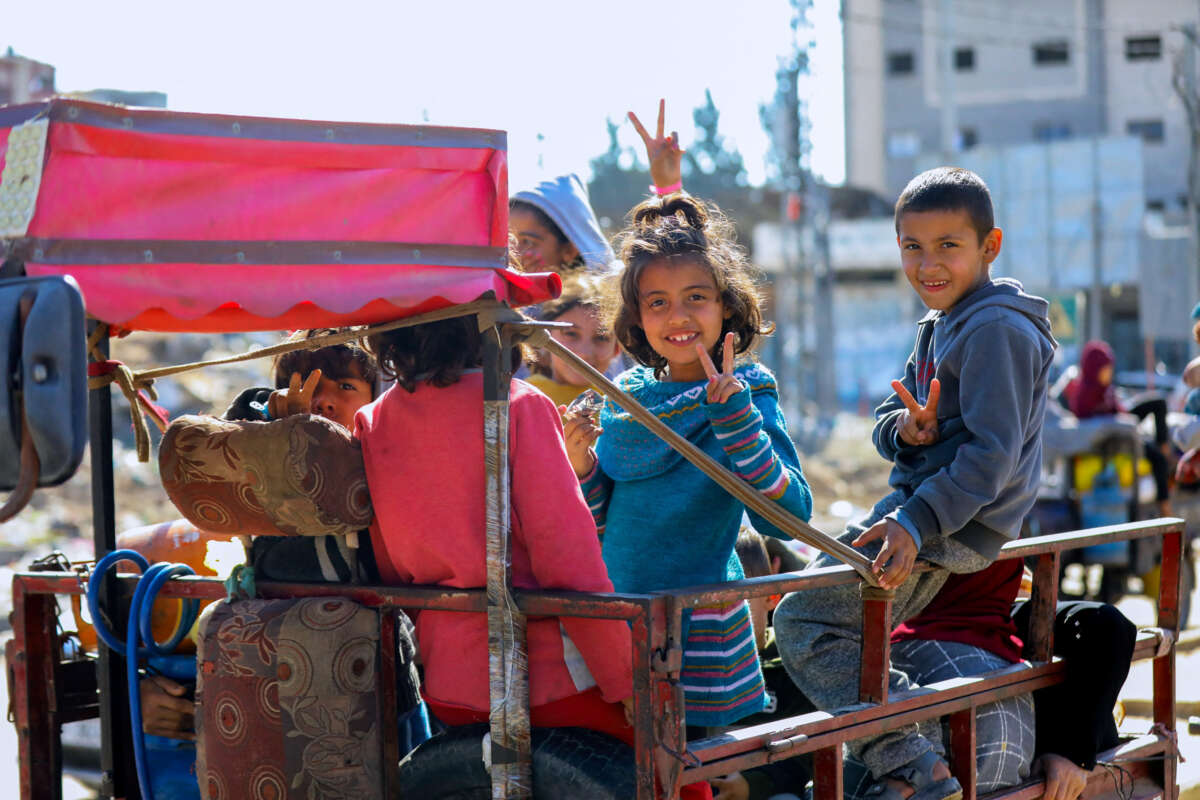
(289, 701)
(298, 476)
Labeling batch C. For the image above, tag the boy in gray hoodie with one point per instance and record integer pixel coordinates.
(963, 432)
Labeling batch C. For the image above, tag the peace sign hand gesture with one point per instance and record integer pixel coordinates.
(663, 152)
(721, 385)
(295, 399)
(918, 424)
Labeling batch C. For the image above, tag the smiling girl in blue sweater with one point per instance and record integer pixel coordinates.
(688, 303)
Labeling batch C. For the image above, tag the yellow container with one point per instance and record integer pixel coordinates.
(1089, 466)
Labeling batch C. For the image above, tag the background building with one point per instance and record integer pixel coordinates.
(1067, 109)
(23, 80)
(1027, 71)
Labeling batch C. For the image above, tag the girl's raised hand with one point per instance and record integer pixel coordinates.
(721, 385)
(296, 399)
(663, 152)
(918, 424)
(580, 432)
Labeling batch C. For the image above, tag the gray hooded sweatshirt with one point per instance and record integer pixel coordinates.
(565, 200)
(991, 352)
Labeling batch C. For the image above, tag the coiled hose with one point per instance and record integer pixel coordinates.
(140, 617)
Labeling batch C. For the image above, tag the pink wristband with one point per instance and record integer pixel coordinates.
(663, 191)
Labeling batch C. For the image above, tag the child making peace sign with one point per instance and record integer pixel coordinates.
(687, 298)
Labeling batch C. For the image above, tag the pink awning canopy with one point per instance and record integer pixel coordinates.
(196, 222)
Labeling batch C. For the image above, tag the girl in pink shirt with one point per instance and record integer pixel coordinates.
(423, 444)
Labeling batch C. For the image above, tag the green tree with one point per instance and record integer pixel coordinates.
(619, 180)
(711, 168)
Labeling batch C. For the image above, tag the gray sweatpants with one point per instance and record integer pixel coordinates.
(819, 633)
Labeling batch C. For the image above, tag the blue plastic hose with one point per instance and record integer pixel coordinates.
(140, 617)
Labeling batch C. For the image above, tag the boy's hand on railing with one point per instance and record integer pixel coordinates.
(296, 399)
(918, 424)
(663, 152)
(721, 385)
(580, 432)
(896, 558)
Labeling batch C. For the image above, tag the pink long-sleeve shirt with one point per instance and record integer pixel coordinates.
(425, 469)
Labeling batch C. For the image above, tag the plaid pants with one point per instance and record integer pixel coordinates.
(1004, 730)
(819, 632)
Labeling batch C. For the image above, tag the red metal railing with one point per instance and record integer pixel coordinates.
(38, 695)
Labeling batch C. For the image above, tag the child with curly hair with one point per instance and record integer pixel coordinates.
(588, 337)
(688, 302)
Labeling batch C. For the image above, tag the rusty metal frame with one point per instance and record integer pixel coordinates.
(660, 753)
(663, 757)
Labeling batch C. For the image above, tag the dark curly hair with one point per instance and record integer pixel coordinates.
(436, 353)
(579, 290)
(679, 227)
(347, 360)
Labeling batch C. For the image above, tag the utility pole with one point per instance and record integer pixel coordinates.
(1183, 80)
(946, 83)
(789, 288)
(1096, 291)
(804, 288)
(823, 281)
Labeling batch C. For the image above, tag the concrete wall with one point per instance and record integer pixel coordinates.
(891, 119)
(1141, 90)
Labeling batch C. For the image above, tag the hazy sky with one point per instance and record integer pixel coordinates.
(530, 67)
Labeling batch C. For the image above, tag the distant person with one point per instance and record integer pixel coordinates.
(1092, 394)
(588, 337)
(557, 230)
(963, 432)
(554, 223)
(1186, 436)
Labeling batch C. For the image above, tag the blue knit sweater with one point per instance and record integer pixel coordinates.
(665, 523)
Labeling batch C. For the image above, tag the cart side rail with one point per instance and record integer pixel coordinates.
(38, 690)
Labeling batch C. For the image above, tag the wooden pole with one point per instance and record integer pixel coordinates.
(508, 663)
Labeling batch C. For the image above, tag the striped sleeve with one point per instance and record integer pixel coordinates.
(751, 430)
(597, 489)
